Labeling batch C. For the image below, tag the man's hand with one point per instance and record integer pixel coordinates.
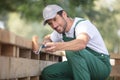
(46, 39)
(50, 47)
(35, 44)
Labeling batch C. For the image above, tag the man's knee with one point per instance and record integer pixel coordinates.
(44, 73)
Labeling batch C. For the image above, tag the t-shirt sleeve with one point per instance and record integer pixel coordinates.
(56, 37)
(85, 27)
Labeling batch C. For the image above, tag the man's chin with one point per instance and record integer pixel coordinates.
(59, 32)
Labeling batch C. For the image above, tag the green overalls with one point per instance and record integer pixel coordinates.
(85, 64)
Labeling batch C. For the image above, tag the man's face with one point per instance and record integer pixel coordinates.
(58, 23)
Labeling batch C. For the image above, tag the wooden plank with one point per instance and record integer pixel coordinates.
(116, 78)
(7, 37)
(43, 64)
(25, 78)
(4, 67)
(10, 38)
(0, 48)
(0, 41)
(17, 52)
(115, 56)
(44, 56)
(20, 67)
(0, 34)
(34, 78)
(35, 56)
(8, 50)
(117, 61)
(115, 71)
(58, 53)
(12, 79)
(12, 68)
(22, 42)
(51, 57)
(56, 58)
(25, 53)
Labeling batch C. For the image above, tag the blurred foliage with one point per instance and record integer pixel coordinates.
(103, 13)
(32, 9)
(108, 24)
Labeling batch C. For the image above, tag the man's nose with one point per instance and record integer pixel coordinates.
(55, 25)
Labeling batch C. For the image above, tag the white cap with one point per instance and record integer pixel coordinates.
(50, 12)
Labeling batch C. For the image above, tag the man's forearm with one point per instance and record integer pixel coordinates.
(71, 45)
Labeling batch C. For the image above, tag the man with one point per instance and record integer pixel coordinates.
(87, 56)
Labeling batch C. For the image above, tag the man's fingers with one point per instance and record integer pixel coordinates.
(50, 47)
(35, 45)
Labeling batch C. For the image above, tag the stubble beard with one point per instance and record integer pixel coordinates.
(65, 26)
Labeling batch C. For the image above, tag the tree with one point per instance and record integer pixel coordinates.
(32, 9)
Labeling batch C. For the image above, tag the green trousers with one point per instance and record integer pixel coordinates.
(80, 65)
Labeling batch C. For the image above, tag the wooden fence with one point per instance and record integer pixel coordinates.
(18, 62)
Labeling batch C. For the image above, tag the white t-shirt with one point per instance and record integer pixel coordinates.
(96, 42)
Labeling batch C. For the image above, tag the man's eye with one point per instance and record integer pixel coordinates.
(49, 23)
(54, 19)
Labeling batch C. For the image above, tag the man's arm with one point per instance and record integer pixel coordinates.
(77, 44)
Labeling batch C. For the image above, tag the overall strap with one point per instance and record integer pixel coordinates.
(77, 24)
(69, 38)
